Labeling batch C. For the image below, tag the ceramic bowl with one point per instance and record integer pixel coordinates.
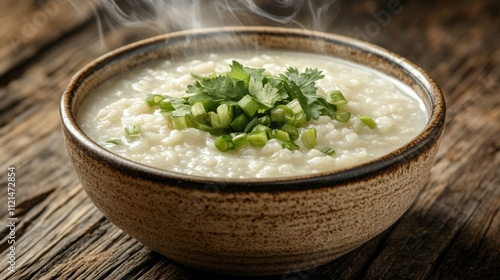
(252, 226)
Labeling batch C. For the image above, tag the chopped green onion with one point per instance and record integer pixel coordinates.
(177, 122)
(337, 98)
(290, 145)
(200, 124)
(251, 125)
(299, 119)
(153, 99)
(249, 105)
(160, 101)
(260, 127)
(257, 138)
(225, 117)
(240, 140)
(327, 150)
(368, 121)
(224, 143)
(266, 129)
(134, 131)
(294, 105)
(295, 115)
(114, 142)
(198, 109)
(292, 131)
(309, 138)
(214, 120)
(281, 135)
(265, 120)
(165, 104)
(277, 115)
(342, 116)
(239, 124)
(235, 109)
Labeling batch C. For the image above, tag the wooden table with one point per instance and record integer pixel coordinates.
(452, 231)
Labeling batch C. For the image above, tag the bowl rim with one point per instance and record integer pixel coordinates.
(427, 136)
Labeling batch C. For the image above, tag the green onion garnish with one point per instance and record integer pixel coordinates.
(337, 98)
(281, 135)
(132, 132)
(240, 123)
(198, 109)
(368, 121)
(114, 142)
(177, 122)
(240, 140)
(290, 145)
(309, 138)
(342, 116)
(292, 131)
(224, 143)
(225, 117)
(165, 104)
(161, 101)
(257, 138)
(247, 106)
(327, 150)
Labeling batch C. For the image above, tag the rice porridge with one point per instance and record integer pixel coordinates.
(119, 103)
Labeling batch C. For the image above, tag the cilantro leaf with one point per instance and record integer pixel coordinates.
(180, 110)
(203, 97)
(329, 109)
(311, 106)
(279, 85)
(257, 73)
(219, 88)
(238, 73)
(305, 80)
(266, 94)
(302, 86)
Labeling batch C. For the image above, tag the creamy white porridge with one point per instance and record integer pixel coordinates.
(120, 103)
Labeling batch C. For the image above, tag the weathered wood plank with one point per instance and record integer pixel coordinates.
(30, 128)
(28, 26)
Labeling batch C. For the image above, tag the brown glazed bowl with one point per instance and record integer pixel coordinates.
(252, 226)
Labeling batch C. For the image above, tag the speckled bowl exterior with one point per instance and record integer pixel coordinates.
(252, 226)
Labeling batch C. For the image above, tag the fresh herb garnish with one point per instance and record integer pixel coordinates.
(327, 150)
(134, 131)
(309, 138)
(246, 106)
(114, 142)
(368, 121)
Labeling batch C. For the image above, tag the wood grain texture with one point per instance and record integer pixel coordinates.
(30, 26)
(452, 231)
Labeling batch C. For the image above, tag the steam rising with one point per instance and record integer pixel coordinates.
(162, 16)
